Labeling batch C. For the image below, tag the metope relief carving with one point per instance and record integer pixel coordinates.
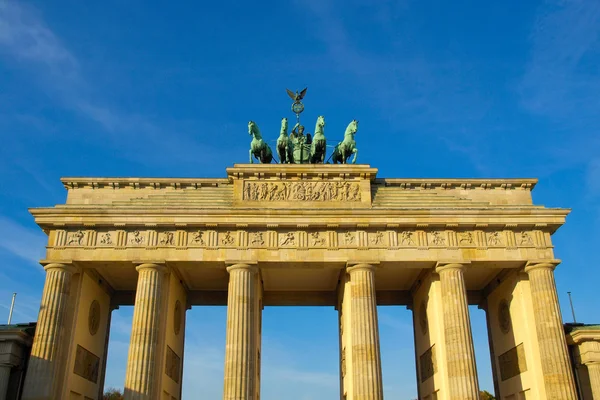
(377, 239)
(227, 239)
(494, 239)
(407, 238)
(525, 239)
(75, 238)
(316, 240)
(437, 238)
(106, 239)
(167, 239)
(302, 191)
(349, 238)
(137, 238)
(257, 239)
(287, 239)
(466, 239)
(198, 238)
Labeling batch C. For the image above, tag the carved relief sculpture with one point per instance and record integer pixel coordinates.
(466, 238)
(494, 239)
(137, 238)
(76, 238)
(167, 239)
(198, 238)
(257, 239)
(406, 238)
(106, 239)
(289, 239)
(302, 191)
(377, 239)
(438, 239)
(317, 240)
(525, 239)
(228, 240)
(349, 238)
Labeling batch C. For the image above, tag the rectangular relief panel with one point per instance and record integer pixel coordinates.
(512, 362)
(87, 364)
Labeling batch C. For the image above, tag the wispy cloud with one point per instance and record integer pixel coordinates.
(22, 242)
(25, 38)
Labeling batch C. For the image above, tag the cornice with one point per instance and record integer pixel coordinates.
(459, 183)
(140, 183)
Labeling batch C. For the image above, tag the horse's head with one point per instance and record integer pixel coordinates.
(252, 128)
(320, 121)
(284, 126)
(352, 127)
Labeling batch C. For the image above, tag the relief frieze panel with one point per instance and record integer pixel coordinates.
(302, 191)
(304, 237)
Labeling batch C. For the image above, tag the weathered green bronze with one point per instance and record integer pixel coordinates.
(258, 147)
(284, 144)
(318, 146)
(347, 147)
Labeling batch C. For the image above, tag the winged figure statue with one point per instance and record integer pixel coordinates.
(296, 96)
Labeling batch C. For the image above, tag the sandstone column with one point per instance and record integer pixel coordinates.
(558, 376)
(4, 377)
(141, 379)
(594, 374)
(366, 358)
(460, 355)
(240, 348)
(45, 369)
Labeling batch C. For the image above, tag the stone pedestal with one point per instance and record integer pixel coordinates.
(49, 344)
(142, 378)
(241, 343)
(460, 355)
(558, 376)
(366, 358)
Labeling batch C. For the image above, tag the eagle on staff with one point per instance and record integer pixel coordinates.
(296, 96)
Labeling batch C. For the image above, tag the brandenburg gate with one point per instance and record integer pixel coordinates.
(301, 234)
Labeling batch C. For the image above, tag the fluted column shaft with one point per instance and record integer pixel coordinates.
(240, 348)
(49, 345)
(141, 379)
(594, 374)
(4, 377)
(558, 376)
(460, 354)
(366, 357)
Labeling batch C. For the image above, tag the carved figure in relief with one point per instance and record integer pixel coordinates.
(406, 238)
(228, 239)
(76, 238)
(137, 238)
(438, 239)
(494, 239)
(466, 237)
(347, 147)
(167, 238)
(525, 239)
(288, 240)
(284, 145)
(317, 240)
(257, 239)
(106, 239)
(349, 238)
(198, 238)
(377, 239)
(302, 191)
(258, 147)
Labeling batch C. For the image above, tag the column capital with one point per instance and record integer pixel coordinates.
(541, 264)
(67, 267)
(361, 265)
(248, 266)
(158, 266)
(446, 265)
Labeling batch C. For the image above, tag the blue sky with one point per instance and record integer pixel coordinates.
(441, 89)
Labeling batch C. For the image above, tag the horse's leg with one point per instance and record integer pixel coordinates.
(355, 151)
(251, 160)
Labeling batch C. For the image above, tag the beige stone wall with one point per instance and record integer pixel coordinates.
(511, 324)
(86, 355)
